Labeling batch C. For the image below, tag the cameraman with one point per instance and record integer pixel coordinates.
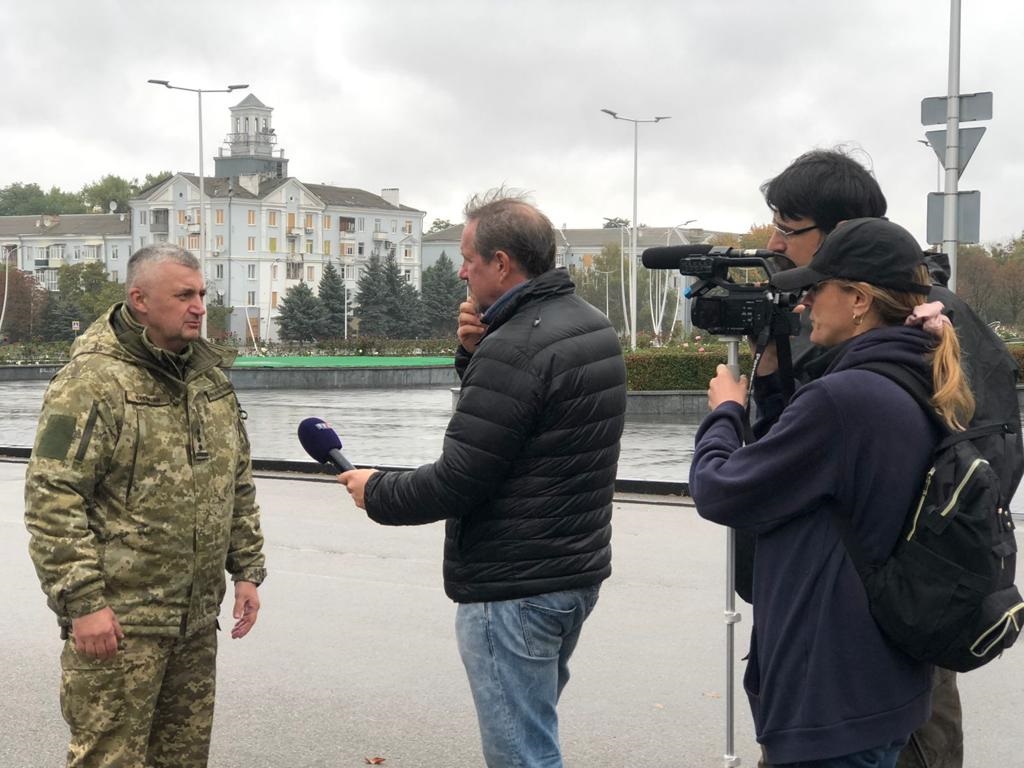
(808, 200)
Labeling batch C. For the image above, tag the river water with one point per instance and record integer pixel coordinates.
(390, 427)
(386, 427)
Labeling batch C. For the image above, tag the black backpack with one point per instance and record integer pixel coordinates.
(946, 594)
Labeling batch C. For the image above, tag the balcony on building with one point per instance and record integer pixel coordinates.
(380, 237)
(160, 220)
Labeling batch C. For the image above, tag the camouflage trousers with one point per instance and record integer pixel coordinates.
(151, 706)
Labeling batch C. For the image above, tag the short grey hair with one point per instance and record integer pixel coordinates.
(506, 221)
(156, 254)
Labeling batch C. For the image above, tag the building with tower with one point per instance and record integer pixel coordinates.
(267, 231)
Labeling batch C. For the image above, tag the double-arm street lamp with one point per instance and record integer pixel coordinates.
(632, 240)
(202, 211)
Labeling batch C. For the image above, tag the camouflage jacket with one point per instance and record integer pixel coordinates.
(139, 492)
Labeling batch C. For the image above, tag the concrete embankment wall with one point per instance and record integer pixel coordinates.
(665, 403)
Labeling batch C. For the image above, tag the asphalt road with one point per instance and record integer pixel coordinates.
(354, 655)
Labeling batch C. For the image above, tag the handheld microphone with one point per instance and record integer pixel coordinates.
(670, 256)
(323, 444)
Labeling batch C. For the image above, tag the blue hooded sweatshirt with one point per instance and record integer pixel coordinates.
(821, 678)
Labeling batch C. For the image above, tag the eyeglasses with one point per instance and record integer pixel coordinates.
(788, 233)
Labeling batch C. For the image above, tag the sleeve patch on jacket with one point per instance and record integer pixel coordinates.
(56, 437)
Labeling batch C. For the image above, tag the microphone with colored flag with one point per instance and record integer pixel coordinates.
(323, 444)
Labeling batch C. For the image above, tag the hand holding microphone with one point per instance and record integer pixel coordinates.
(323, 444)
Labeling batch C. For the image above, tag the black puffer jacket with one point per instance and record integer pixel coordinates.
(527, 471)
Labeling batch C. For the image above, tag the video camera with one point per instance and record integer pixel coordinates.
(728, 300)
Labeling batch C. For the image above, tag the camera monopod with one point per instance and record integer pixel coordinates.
(732, 616)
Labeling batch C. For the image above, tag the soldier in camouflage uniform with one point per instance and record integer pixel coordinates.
(138, 497)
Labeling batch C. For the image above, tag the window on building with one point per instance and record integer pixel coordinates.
(181, 241)
(327, 247)
(251, 271)
(247, 130)
(309, 246)
(394, 225)
(350, 250)
(378, 225)
(273, 271)
(407, 253)
(294, 271)
(113, 253)
(264, 125)
(142, 241)
(218, 271)
(115, 276)
(272, 245)
(273, 299)
(252, 244)
(76, 253)
(272, 219)
(407, 227)
(327, 222)
(218, 242)
(361, 224)
(238, 125)
(311, 274)
(361, 249)
(407, 274)
(251, 298)
(195, 216)
(251, 215)
(309, 221)
(181, 218)
(346, 224)
(291, 221)
(193, 242)
(143, 216)
(219, 216)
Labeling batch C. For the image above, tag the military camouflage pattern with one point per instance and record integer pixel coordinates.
(139, 492)
(151, 706)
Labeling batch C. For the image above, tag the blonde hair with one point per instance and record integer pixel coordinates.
(952, 398)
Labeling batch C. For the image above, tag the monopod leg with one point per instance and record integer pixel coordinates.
(731, 615)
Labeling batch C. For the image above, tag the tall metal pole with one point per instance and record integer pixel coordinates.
(730, 760)
(202, 208)
(633, 233)
(949, 213)
(632, 245)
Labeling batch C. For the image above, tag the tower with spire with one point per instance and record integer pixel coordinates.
(249, 145)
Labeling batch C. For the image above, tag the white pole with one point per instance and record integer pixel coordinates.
(950, 206)
(202, 209)
(7, 279)
(632, 245)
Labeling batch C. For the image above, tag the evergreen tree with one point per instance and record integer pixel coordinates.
(402, 303)
(301, 315)
(55, 323)
(372, 310)
(332, 296)
(442, 293)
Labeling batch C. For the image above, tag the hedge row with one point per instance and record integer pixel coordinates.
(683, 367)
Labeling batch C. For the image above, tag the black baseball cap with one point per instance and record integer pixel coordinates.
(873, 251)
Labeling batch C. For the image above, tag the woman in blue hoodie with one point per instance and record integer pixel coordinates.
(826, 688)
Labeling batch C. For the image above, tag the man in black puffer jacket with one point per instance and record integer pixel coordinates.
(525, 479)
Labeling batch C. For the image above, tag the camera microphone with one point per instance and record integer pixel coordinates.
(323, 444)
(670, 256)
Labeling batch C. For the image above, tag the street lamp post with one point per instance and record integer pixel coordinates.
(632, 240)
(202, 210)
(14, 249)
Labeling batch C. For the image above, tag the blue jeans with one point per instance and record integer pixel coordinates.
(516, 654)
(878, 757)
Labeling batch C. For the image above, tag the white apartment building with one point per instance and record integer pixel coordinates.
(41, 244)
(266, 231)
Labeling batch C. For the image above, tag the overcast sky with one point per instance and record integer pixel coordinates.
(443, 98)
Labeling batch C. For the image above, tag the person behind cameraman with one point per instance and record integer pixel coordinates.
(826, 687)
(808, 200)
